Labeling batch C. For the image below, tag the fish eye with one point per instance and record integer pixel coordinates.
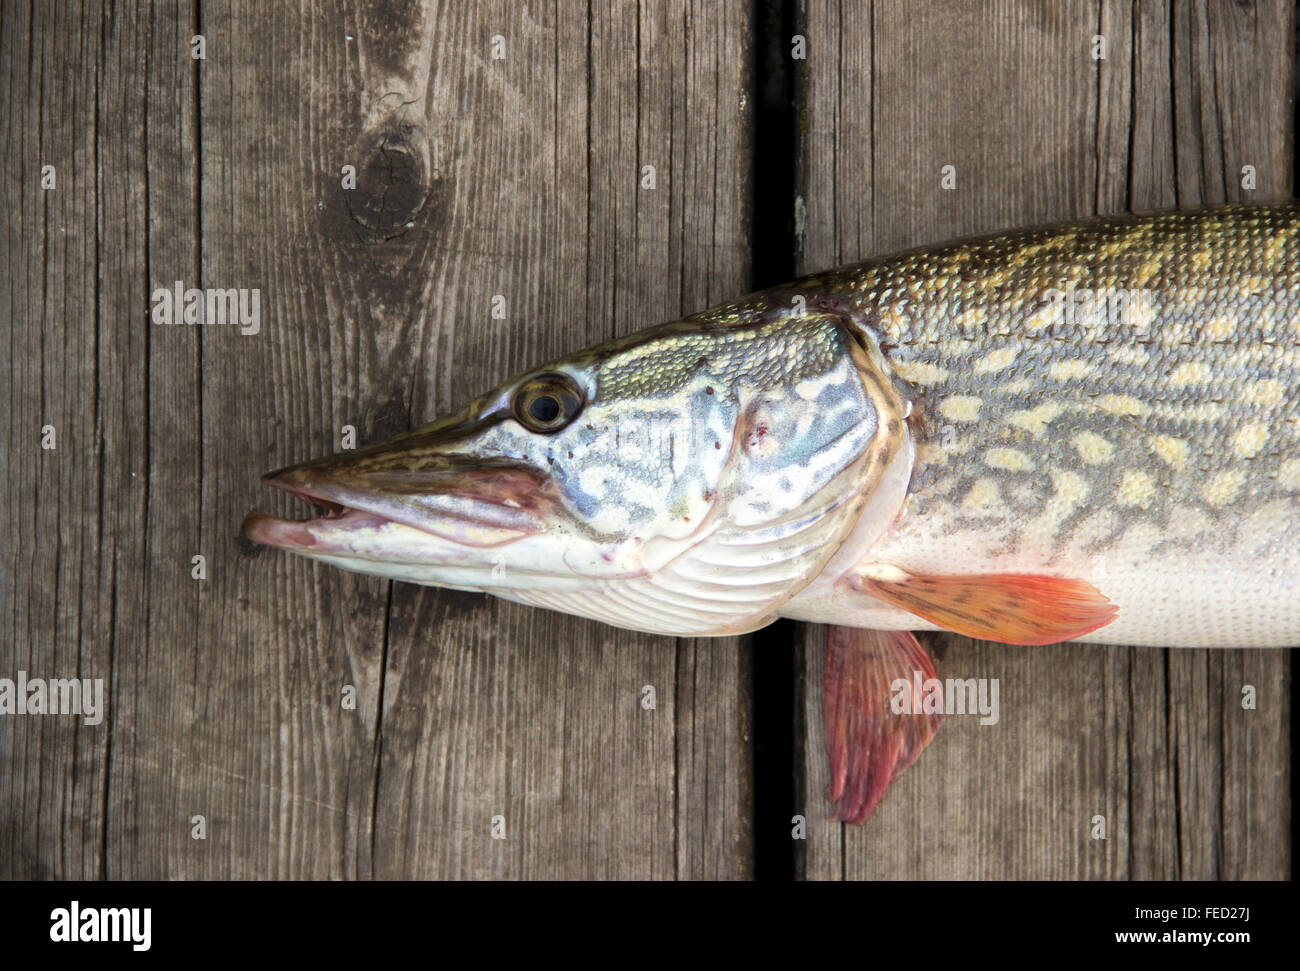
(545, 403)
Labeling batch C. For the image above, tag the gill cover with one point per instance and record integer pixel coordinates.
(768, 443)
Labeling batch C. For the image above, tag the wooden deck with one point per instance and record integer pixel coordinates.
(518, 183)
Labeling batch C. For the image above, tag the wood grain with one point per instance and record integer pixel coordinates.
(1191, 786)
(477, 177)
(519, 177)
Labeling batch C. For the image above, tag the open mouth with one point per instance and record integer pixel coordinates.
(469, 505)
(321, 532)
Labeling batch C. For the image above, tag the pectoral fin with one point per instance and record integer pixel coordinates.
(868, 742)
(1013, 608)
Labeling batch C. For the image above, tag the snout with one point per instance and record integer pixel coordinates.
(423, 479)
(482, 502)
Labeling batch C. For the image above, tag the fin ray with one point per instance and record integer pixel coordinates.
(1012, 608)
(868, 744)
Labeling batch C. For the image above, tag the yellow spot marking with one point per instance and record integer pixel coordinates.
(1042, 318)
(1136, 489)
(1019, 386)
(1121, 404)
(995, 360)
(1249, 440)
(1034, 420)
(1092, 448)
(1128, 353)
(918, 372)
(1191, 372)
(1205, 411)
(1146, 271)
(971, 322)
(1066, 370)
(1071, 489)
(983, 499)
(1201, 259)
(1253, 285)
(1265, 393)
(1223, 488)
(1172, 451)
(1220, 328)
(1289, 475)
(997, 278)
(961, 407)
(1011, 459)
(937, 453)
(929, 453)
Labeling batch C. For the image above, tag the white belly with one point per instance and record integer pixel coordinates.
(1203, 592)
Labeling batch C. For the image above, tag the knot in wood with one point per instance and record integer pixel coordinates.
(393, 184)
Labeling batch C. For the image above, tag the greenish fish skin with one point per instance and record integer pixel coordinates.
(1112, 400)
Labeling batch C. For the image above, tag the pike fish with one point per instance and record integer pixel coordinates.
(1083, 432)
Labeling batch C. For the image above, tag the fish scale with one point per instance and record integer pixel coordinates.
(1059, 443)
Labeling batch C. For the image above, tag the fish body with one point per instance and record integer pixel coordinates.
(1085, 431)
(1113, 399)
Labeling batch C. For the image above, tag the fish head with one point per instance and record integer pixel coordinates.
(686, 480)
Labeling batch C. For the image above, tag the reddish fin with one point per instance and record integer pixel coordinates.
(868, 744)
(1014, 608)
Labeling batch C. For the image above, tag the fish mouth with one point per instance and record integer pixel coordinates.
(468, 501)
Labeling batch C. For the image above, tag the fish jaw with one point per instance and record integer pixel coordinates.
(468, 500)
(322, 535)
(444, 521)
(424, 507)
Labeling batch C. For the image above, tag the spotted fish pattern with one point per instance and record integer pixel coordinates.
(1097, 395)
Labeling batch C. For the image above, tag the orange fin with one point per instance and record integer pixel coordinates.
(1014, 608)
(868, 744)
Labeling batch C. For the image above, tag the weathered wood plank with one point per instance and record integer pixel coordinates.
(1191, 785)
(67, 370)
(531, 716)
(477, 177)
